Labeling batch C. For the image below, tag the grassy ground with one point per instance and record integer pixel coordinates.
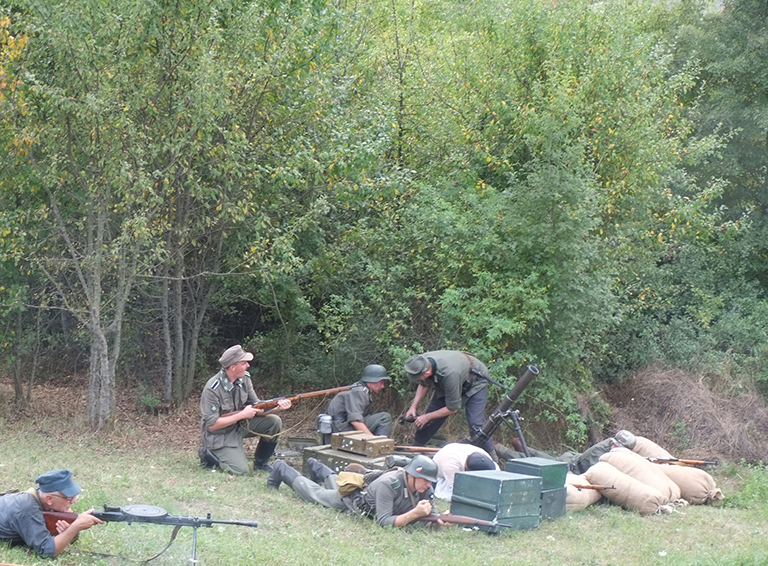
(735, 532)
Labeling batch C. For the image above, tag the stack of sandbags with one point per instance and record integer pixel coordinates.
(697, 487)
(579, 499)
(630, 493)
(639, 468)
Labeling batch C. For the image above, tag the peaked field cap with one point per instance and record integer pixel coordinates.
(416, 365)
(58, 480)
(233, 355)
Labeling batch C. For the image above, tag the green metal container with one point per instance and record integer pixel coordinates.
(551, 472)
(513, 501)
(553, 503)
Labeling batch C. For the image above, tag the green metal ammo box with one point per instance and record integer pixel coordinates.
(553, 503)
(512, 501)
(552, 473)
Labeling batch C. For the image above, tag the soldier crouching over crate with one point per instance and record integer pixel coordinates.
(351, 409)
(395, 497)
(458, 380)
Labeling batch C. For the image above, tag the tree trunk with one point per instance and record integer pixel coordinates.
(167, 341)
(18, 390)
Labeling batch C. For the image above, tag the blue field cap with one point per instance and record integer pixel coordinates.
(58, 480)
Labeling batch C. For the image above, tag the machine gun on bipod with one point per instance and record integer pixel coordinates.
(503, 414)
(145, 514)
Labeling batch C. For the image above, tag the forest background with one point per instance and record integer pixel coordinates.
(576, 185)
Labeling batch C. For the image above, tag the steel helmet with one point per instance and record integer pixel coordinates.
(374, 373)
(625, 438)
(422, 467)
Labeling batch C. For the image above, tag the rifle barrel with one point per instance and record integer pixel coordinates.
(417, 449)
(681, 462)
(269, 403)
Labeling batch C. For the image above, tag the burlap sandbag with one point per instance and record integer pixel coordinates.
(642, 470)
(649, 449)
(629, 493)
(697, 487)
(579, 499)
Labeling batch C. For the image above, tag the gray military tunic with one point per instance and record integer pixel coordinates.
(219, 397)
(388, 496)
(354, 405)
(21, 521)
(384, 498)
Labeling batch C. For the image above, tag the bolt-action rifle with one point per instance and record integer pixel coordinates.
(591, 486)
(457, 520)
(689, 463)
(145, 514)
(270, 403)
(416, 449)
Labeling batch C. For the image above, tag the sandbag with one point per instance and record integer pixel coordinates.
(579, 499)
(649, 449)
(642, 470)
(630, 493)
(697, 487)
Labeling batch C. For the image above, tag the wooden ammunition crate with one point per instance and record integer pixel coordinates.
(511, 500)
(379, 445)
(344, 440)
(361, 443)
(551, 472)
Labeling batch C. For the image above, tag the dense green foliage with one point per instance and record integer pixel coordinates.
(577, 185)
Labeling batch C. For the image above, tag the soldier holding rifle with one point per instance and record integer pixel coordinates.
(21, 514)
(228, 417)
(395, 498)
(457, 381)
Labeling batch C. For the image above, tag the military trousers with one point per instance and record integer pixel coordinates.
(326, 495)
(233, 458)
(474, 409)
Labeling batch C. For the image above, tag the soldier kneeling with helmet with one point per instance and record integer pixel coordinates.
(395, 497)
(351, 409)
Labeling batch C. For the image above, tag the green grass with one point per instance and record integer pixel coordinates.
(290, 531)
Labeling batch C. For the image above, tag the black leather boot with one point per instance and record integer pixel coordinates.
(264, 451)
(208, 459)
(281, 472)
